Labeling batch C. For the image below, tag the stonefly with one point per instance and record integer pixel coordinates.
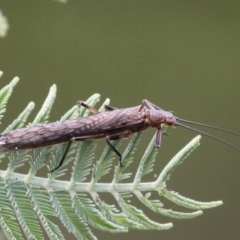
(112, 124)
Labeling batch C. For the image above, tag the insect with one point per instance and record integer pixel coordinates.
(112, 124)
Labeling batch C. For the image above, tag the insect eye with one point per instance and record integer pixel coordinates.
(169, 120)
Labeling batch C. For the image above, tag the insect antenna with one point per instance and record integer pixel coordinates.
(208, 126)
(207, 134)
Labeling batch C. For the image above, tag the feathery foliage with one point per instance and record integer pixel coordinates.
(29, 202)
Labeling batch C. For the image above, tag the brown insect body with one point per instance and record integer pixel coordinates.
(116, 124)
(111, 125)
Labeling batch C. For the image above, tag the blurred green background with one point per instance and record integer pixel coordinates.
(181, 55)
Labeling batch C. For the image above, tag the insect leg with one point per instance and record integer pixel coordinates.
(64, 155)
(92, 110)
(115, 150)
(109, 108)
(146, 103)
(159, 137)
(149, 105)
(92, 137)
(115, 137)
(74, 139)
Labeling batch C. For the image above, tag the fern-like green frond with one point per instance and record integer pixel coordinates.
(30, 204)
(7, 216)
(62, 204)
(119, 174)
(103, 165)
(44, 112)
(137, 215)
(20, 121)
(5, 93)
(43, 209)
(187, 202)
(87, 209)
(24, 211)
(83, 161)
